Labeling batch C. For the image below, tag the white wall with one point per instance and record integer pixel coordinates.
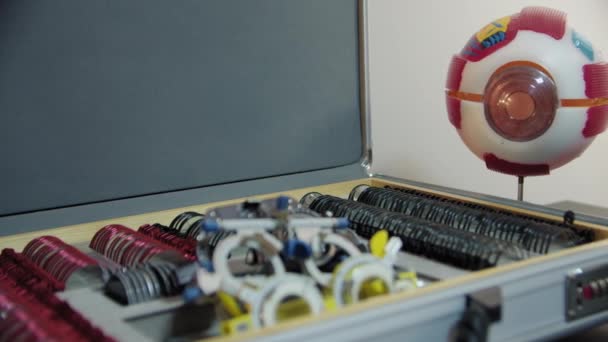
(411, 43)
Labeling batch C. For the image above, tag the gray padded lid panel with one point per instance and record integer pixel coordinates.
(102, 100)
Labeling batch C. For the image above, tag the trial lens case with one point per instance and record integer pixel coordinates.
(134, 111)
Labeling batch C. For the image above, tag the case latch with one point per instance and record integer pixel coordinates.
(483, 308)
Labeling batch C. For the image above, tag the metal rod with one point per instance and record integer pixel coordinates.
(520, 188)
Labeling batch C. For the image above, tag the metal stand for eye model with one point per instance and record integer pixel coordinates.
(520, 188)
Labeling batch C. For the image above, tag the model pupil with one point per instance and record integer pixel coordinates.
(520, 106)
(520, 101)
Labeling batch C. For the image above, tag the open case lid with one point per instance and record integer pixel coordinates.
(103, 101)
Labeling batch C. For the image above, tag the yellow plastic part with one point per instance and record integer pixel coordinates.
(230, 304)
(236, 325)
(378, 242)
(501, 24)
(287, 310)
(373, 288)
(405, 278)
(408, 275)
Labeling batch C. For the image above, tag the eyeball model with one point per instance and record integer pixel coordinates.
(527, 93)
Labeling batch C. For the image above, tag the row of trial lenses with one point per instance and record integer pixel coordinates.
(56, 257)
(126, 246)
(584, 235)
(169, 237)
(16, 266)
(145, 282)
(187, 224)
(439, 242)
(536, 237)
(31, 310)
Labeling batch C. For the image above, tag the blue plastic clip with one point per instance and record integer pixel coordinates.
(297, 249)
(282, 202)
(191, 293)
(342, 223)
(210, 226)
(207, 265)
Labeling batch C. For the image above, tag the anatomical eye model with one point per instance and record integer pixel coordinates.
(528, 93)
